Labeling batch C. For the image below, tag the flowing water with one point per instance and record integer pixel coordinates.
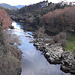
(33, 61)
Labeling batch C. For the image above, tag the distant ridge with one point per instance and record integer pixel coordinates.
(8, 6)
(19, 6)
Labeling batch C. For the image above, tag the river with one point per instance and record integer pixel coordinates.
(33, 61)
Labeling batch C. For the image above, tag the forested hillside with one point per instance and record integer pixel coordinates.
(59, 20)
(52, 26)
(8, 6)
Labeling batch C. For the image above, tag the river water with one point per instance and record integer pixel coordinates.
(33, 61)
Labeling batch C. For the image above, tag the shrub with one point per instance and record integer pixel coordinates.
(40, 32)
(61, 37)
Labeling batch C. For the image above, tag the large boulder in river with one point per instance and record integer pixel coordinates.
(68, 62)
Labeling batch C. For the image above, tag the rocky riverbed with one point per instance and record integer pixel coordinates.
(33, 61)
(55, 54)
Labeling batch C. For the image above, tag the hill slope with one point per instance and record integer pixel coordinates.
(7, 6)
(19, 6)
(9, 61)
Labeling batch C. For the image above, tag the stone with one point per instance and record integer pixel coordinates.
(68, 61)
(47, 55)
(11, 27)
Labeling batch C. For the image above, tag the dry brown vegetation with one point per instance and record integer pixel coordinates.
(5, 20)
(59, 20)
(10, 55)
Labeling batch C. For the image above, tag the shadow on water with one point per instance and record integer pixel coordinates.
(33, 62)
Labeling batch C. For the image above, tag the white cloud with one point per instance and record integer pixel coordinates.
(25, 2)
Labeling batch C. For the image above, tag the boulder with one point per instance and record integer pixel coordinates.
(11, 27)
(54, 53)
(68, 62)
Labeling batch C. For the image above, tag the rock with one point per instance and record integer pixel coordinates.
(52, 59)
(40, 46)
(49, 40)
(39, 40)
(11, 27)
(68, 62)
(54, 53)
(65, 69)
(47, 55)
(36, 44)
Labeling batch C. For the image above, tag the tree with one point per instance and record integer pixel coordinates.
(59, 20)
(4, 19)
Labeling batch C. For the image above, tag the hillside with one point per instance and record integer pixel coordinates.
(32, 12)
(10, 55)
(29, 14)
(59, 20)
(40, 7)
(53, 26)
(19, 6)
(8, 6)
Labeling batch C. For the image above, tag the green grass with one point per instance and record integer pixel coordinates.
(70, 43)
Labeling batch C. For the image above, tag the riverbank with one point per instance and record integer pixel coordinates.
(10, 55)
(55, 54)
(33, 61)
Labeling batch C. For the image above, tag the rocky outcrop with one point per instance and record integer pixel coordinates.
(55, 55)
(68, 62)
(52, 52)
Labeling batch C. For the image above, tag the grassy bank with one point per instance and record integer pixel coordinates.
(70, 43)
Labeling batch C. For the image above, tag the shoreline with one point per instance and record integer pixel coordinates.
(14, 54)
(55, 54)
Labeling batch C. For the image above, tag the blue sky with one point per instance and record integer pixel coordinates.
(26, 2)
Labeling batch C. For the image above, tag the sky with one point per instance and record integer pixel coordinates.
(27, 2)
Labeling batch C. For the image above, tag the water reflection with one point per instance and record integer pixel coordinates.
(33, 62)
